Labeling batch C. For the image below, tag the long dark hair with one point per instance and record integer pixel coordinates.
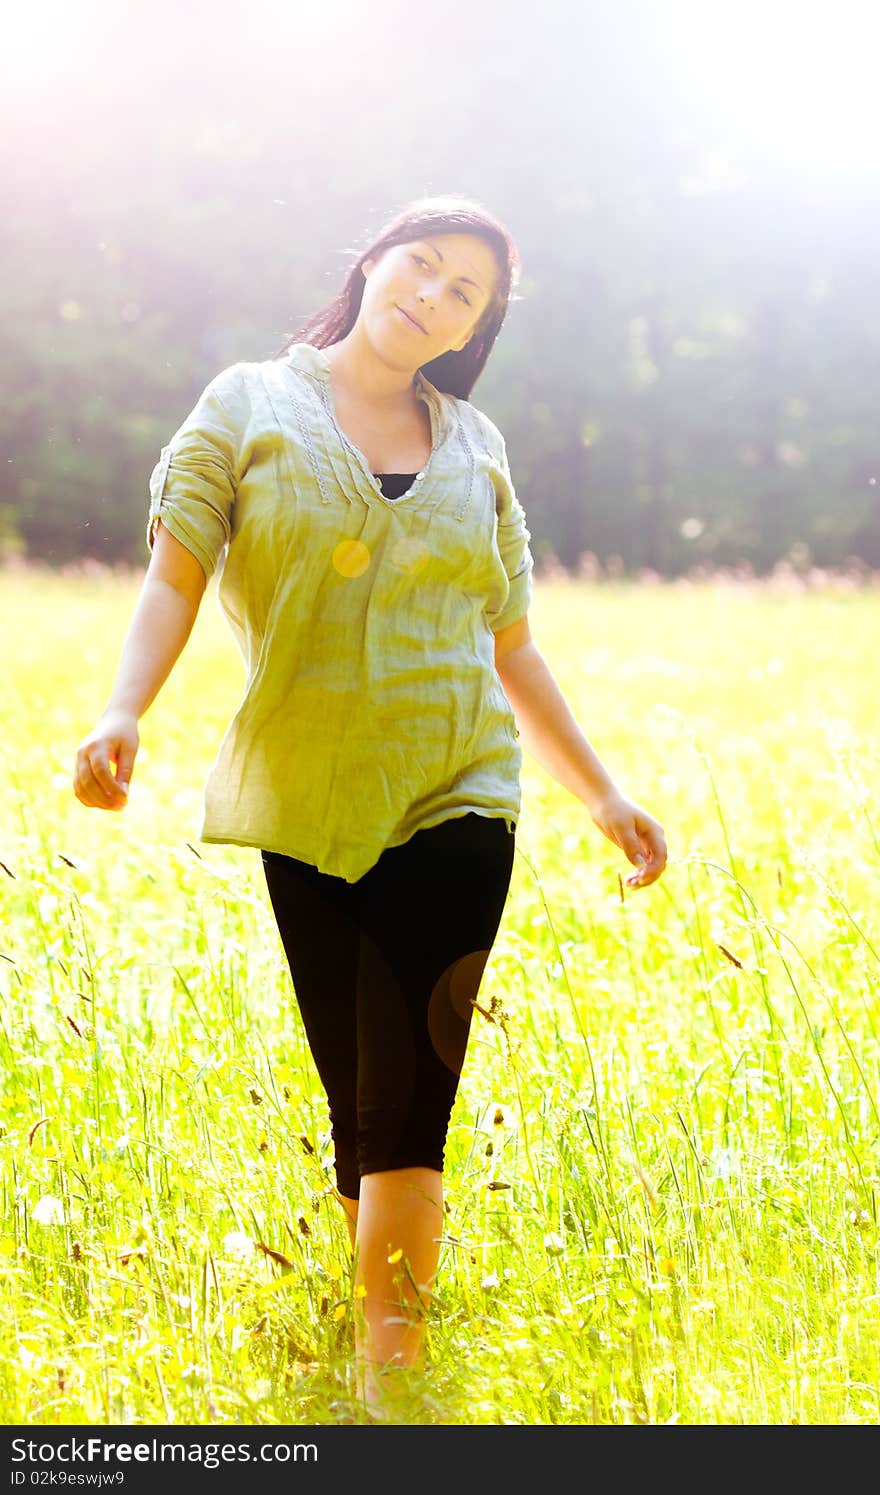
(454, 373)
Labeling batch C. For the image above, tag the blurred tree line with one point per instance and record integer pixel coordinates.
(688, 375)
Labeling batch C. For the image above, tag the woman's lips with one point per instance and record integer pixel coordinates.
(411, 320)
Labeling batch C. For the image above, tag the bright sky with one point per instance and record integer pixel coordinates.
(798, 80)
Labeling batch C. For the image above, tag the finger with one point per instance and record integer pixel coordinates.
(653, 842)
(659, 851)
(100, 766)
(645, 868)
(645, 876)
(94, 792)
(124, 766)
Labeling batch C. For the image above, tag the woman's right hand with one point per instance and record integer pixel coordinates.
(115, 739)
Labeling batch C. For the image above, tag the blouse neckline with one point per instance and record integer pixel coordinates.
(315, 361)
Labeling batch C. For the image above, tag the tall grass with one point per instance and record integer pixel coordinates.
(662, 1170)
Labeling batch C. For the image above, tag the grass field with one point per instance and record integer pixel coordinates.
(663, 1168)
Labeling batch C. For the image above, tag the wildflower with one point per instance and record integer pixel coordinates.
(236, 1243)
(498, 1118)
(49, 1211)
(554, 1245)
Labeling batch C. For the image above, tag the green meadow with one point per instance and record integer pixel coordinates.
(663, 1168)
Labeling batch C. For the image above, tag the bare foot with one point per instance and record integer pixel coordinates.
(382, 1392)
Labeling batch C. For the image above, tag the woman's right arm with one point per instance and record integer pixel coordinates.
(163, 619)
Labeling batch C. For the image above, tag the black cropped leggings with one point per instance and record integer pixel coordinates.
(384, 972)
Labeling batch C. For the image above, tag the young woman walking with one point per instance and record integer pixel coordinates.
(377, 580)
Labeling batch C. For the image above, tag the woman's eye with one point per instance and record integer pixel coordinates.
(421, 261)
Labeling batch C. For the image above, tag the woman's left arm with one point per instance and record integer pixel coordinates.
(550, 733)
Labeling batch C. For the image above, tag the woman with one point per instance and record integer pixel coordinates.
(377, 580)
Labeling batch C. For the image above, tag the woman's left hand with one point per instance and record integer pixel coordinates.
(636, 832)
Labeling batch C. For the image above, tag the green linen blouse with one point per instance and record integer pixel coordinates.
(372, 707)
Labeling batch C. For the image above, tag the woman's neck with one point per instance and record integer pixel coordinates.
(361, 374)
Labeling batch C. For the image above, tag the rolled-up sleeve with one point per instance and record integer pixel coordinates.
(513, 546)
(192, 486)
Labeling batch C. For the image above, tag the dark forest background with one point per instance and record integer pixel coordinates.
(689, 376)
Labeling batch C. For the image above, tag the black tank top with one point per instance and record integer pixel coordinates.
(394, 484)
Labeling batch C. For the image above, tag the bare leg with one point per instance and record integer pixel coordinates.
(401, 1211)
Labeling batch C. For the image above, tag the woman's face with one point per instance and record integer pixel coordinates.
(443, 281)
